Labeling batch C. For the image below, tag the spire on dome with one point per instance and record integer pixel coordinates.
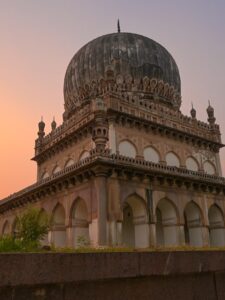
(53, 124)
(193, 111)
(118, 25)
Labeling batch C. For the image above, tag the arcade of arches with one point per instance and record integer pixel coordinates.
(160, 223)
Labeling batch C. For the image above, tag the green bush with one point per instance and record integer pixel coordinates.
(31, 227)
(10, 244)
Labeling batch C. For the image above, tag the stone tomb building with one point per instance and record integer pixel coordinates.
(126, 167)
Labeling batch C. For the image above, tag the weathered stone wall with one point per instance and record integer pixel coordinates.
(162, 275)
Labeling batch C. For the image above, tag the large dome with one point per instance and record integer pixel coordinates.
(124, 59)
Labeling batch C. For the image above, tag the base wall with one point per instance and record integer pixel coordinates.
(161, 275)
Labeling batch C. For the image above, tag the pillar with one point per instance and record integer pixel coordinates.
(101, 195)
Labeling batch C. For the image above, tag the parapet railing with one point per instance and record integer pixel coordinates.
(117, 159)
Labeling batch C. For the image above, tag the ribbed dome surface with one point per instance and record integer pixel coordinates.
(126, 55)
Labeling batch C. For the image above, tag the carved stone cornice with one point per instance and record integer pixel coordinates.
(132, 121)
(125, 168)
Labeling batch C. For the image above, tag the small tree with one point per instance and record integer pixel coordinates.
(32, 226)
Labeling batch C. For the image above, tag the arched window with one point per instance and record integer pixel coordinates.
(193, 225)
(151, 154)
(56, 170)
(209, 168)
(45, 175)
(216, 226)
(126, 148)
(172, 160)
(69, 163)
(191, 164)
(84, 155)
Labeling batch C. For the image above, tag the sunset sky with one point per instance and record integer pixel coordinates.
(38, 39)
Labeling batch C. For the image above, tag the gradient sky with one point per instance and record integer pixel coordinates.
(38, 39)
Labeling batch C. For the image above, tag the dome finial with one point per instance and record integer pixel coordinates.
(193, 111)
(53, 124)
(118, 25)
(210, 113)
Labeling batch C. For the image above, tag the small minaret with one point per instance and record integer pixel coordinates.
(41, 127)
(101, 129)
(118, 26)
(53, 124)
(193, 112)
(210, 112)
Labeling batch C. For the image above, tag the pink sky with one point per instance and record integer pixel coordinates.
(38, 39)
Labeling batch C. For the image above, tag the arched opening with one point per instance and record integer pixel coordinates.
(6, 228)
(58, 226)
(80, 224)
(209, 168)
(166, 224)
(172, 160)
(150, 154)
(126, 148)
(69, 163)
(45, 175)
(159, 228)
(128, 226)
(135, 229)
(216, 226)
(193, 225)
(84, 155)
(192, 164)
(56, 170)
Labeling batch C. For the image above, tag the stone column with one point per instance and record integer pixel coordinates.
(205, 236)
(119, 238)
(101, 195)
(69, 237)
(181, 236)
(152, 233)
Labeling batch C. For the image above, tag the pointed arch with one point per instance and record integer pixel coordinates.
(80, 224)
(193, 217)
(58, 215)
(167, 218)
(192, 164)
(172, 159)
(58, 226)
(151, 154)
(216, 226)
(209, 167)
(84, 155)
(45, 175)
(135, 229)
(69, 163)
(56, 170)
(127, 148)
